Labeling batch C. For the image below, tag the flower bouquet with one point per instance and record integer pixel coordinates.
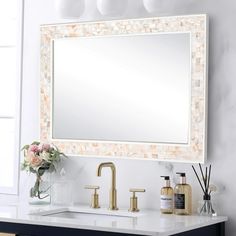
(40, 159)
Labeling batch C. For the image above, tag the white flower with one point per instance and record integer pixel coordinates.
(45, 156)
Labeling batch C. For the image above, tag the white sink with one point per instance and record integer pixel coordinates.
(83, 216)
(86, 213)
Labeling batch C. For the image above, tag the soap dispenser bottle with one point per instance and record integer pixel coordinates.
(166, 205)
(182, 197)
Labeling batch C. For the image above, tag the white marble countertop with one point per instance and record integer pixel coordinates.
(144, 223)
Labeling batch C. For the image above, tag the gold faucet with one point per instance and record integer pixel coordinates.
(113, 203)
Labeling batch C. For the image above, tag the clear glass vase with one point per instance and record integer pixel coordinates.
(207, 207)
(40, 189)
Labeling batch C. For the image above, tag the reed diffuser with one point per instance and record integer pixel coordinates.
(206, 207)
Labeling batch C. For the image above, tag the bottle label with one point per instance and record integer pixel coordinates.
(179, 201)
(166, 202)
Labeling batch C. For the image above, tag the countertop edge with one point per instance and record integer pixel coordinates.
(220, 219)
(217, 220)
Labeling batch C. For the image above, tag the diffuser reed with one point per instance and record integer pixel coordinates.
(207, 208)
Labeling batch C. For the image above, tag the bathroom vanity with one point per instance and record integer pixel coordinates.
(82, 220)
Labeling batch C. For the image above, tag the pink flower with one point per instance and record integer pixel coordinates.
(35, 161)
(46, 147)
(28, 156)
(40, 147)
(33, 148)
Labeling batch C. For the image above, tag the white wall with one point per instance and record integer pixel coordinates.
(222, 108)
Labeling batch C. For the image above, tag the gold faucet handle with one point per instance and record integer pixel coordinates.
(137, 190)
(134, 199)
(95, 187)
(95, 196)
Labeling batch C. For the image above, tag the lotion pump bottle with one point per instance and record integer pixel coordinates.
(166, 205)
(182, 197)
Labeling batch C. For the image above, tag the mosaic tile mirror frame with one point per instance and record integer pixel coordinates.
(194, 150)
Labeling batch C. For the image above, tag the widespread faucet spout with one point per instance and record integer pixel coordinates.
(113, 193)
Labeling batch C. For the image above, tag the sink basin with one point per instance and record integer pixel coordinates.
(83, 216)
(83, 213)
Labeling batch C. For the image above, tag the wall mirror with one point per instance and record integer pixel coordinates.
(126, 88)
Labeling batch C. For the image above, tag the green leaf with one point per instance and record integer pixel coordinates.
(24, 166)
(33, 192)
(35, 143)
(32, 169)
(64, 155)
(26, 147)
(52, 168)
(41, 171)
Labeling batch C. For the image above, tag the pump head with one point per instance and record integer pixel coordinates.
(181, 174)
(166, 177)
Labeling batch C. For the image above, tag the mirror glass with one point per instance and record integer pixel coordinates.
(134, 88)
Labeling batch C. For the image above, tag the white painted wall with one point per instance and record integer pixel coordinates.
(130, 173)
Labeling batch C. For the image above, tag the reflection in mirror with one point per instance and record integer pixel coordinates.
(133, 88)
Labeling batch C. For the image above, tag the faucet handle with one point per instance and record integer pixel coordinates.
(134, 199)
(137, 190)
(95, 196)
(95, 187)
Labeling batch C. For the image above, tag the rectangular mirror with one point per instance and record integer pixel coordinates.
(126, 88)
(137, 91)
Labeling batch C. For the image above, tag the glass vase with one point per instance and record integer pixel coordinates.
(206, 207)
(40, 189)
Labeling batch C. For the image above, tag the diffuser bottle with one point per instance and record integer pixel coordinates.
(166, 205)
(182, 197)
